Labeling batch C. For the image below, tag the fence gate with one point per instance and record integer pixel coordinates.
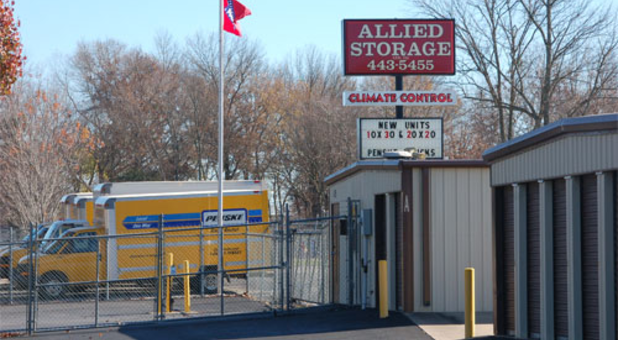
(310, 258)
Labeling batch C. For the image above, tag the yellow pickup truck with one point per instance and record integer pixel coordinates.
(44, 232)
(72, 258)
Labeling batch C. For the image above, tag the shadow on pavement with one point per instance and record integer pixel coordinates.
(336, 324)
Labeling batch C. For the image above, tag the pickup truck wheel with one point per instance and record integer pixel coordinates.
(53, 291)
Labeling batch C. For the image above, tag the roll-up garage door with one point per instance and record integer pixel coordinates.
(561, 316)
(509, 259)
(534, 260)
(590, 257)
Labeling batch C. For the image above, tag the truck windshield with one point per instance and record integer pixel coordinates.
(42, 229)
(55, 230)
(56, 245)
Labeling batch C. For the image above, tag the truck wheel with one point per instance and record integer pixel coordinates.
(210, 283)
(53, 291)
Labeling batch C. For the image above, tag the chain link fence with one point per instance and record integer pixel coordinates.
(87, 279)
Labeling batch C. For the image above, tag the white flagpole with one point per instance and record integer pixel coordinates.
(221, 178)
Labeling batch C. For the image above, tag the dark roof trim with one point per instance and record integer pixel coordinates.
(553, 130)
(400, 164)
(453, 163)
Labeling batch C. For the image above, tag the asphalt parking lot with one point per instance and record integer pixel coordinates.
(315, 324)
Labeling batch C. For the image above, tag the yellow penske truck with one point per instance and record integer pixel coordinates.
(157, 187)
(67, 210)
(83, 208)
(190, 233)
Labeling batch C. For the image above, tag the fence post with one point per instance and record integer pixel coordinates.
(281, 262)
(107, 267)
(30, 274)
(323, 265)
(201, 267)
(96, 301)
(287, 249)
(35, 310)
(247, 252)
(263, 265)
(159, 299)
(351, 214)
(168, 283)
(329, 256)
(11, 265)
(220, 272)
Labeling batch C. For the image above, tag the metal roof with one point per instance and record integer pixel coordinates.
(397, 164)
(553, 130)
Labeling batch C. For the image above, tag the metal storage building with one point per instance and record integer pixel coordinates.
(554, 230)
(429, 219)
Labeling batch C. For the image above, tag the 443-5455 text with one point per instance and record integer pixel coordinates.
(401, 65)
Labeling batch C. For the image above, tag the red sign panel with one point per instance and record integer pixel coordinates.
(399, 47)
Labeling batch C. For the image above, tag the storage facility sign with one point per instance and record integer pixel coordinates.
(403, 98)
(399, 47)
(379, 135)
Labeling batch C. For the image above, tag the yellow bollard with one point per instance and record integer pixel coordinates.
(383, 276)
(187, 289)
(168, 290)
(470, 307)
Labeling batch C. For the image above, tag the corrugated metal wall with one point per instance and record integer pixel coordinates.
(460, 224)
(362, 186)
(570, 155)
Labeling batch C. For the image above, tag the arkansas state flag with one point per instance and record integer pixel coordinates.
(232, 12)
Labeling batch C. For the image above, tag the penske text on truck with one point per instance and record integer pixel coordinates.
(132, 222)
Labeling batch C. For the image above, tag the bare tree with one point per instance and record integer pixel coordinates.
(136, 105)
(318, 135)
(518, 55)
(245, 121)
(43, 146)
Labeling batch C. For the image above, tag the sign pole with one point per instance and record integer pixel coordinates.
(399, 87)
